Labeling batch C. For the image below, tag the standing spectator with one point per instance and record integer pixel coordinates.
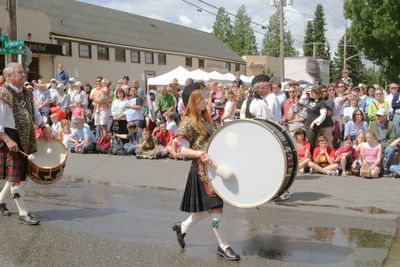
(296, 115)
(237, 80)
(348, 111)
(134, 108)
(63, 100)
(273, 105)
(255, 105)
(102, 110)
(240, 98)
(230, 106)
(170, 122)
(62, 75)
(371, 154)
(323, 158)
(396, 112)
(393, 87)
(164, 101)
(118, 108)
(43, 99)
(378, 104)
(280, 97)
(289, 102)
(77, 93)
(346, 79)
(369, 99)
(78, 110)
(53, 92)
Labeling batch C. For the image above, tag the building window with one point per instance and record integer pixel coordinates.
(102, 53)
(120, 54)
(148, 58)
(188, 62)
(228, 66)
(66, 47)
(201, 63)
(237, 67)
(162, 59)
(135, 56)
(85, 51)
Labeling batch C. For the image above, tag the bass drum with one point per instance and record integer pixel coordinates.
(261, 156)
(49, 161)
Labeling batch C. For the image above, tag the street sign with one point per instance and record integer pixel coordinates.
(3, 38)
(14, 43)
(14, 51)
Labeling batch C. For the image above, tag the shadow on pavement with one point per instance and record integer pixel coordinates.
(73, 214)
(307, 196)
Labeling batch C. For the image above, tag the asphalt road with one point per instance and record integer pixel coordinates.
(118, 211)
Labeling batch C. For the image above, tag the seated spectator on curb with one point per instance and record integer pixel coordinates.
(163, 137)
(395, 167)
(385, 133)
(371, 154)
(55, 125)
(134, 134)
(170, 122)
(65, 134)
(82, 137)
(347, 157)
(147, 149)
(323, 158)
(356, 125)
(303, 149)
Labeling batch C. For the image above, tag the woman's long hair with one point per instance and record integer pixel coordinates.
(193, 112)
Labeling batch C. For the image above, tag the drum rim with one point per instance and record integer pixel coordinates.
(233, 203)
(58, 166)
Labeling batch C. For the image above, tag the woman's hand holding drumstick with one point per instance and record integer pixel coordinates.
(222, 171)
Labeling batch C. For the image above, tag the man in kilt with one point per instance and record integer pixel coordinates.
(18, 115)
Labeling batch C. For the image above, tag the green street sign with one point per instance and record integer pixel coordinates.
(14, 43)
(3, 38)
(13, 51)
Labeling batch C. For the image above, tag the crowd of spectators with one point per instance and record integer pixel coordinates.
(338, 129)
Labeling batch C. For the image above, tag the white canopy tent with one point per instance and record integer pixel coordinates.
(182, 74)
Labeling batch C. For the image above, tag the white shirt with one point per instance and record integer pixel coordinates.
(7, 116)
(259, 109)
(273, 106)
(388, 100)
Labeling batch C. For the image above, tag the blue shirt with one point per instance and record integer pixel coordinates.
(84, 133)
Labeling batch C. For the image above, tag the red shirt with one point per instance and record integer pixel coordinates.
(351, 150)
(164, 138)
(302, 152)
(323, 159)
(286, 106)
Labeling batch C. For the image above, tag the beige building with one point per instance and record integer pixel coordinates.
(296, 68)
(90, 40)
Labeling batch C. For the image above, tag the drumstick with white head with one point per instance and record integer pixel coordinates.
(30, 157)
(49, 150)
(223, 171)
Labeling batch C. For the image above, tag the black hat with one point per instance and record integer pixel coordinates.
(260, 78)
(188, 91)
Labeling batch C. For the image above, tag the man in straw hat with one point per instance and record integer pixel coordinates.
(18, 115)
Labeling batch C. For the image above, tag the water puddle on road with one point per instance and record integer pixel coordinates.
(368, 209)
(316, 245)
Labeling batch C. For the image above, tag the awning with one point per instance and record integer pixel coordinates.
(43, 48)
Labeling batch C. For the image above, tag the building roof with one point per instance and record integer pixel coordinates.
(81, 20)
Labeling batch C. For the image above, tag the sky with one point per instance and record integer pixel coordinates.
(185, 13)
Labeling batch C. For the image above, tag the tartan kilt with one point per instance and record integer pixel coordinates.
(13, 165)
(195, 197)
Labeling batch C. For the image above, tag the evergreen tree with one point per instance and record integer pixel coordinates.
(222, 28)
(271, 41)
(243, 40)
(319, 31)
(308, 40)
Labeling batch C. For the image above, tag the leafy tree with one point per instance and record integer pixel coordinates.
(374, 27)
(243, 40)
(222, 28)
(353, 61)
(271, 41)
(315, 35)
(308, 40)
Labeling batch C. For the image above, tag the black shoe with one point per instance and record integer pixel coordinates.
(180, 237)
(229, 254)
(3, 210)
(28, 219)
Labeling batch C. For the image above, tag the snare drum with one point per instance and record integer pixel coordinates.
(47, 168)
(262, 157)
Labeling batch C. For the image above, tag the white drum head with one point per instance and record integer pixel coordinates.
(255, 156)
(50, 153)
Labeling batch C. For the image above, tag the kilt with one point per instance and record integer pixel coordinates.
(13, 165)
(195, 197)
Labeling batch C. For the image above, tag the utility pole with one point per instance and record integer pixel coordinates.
(345, 48)
(282, 40)
(11, 25)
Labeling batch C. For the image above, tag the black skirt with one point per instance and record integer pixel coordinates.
(195, 197)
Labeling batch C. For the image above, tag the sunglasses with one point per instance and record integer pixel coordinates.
(299, 133)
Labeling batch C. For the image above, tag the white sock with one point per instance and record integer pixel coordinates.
(18, 189)
(4, 191)
(192, 219)
(216, 226)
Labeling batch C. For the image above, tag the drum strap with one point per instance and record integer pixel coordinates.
(248, 102)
